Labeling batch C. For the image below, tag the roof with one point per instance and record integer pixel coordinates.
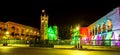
(22, 25)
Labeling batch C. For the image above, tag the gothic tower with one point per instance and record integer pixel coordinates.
(44, 25)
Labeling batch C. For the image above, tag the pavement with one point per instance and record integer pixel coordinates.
(51, 51)
(86, 48)
(95, 48)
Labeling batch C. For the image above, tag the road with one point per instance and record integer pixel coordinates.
(51, 51)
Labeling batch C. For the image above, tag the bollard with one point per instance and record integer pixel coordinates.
(81, 46)
(5, 44)
(75, 46)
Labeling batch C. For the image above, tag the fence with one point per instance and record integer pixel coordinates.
(64, 42)
(55, 42)
(46, 43)
(101, 42)
(83, 42)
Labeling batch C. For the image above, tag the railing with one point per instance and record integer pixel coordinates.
(83, 42)
(101, 42)
(66, 42)
(55, 42)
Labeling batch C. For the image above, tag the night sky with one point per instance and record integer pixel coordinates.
(60, 12)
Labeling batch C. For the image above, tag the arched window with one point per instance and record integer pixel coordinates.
(17, 30)
(95, 30)
(103, 28)
(0, 28)
(13, 28)
(99, 29)
(22, 31)
(91, 33)
(109, 23)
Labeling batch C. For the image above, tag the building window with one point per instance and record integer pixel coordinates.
(95, 31)
(5, 29)
(0, 28)
(46, 19)
(12, 34)
(91, 33)
(6, 26)
(17, 30)
(99, 29)
(103, 28)
(13, 28)
(42, 19)
(22, 31)
(42, 14)
(109, 23)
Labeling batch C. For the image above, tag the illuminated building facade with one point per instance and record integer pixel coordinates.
(44, 26)
(15, 31)
(2, 26)
(106, 30)
(52, 33)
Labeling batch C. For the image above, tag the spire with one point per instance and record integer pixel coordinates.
(43, 13)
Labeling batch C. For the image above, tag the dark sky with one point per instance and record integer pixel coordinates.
(61, 12)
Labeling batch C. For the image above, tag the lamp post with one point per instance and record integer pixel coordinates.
(5, 37)
(76, 35)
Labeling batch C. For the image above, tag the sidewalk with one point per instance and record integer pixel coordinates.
(95, 48)
(102, 47)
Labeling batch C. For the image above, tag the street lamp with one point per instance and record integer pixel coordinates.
(6, 32)
(76, 35)
(5, 37)
(77, 28)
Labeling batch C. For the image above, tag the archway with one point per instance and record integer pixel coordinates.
(109, 23)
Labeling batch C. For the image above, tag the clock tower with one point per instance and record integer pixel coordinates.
(43, 25)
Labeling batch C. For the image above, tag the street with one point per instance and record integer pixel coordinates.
(51, 51)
